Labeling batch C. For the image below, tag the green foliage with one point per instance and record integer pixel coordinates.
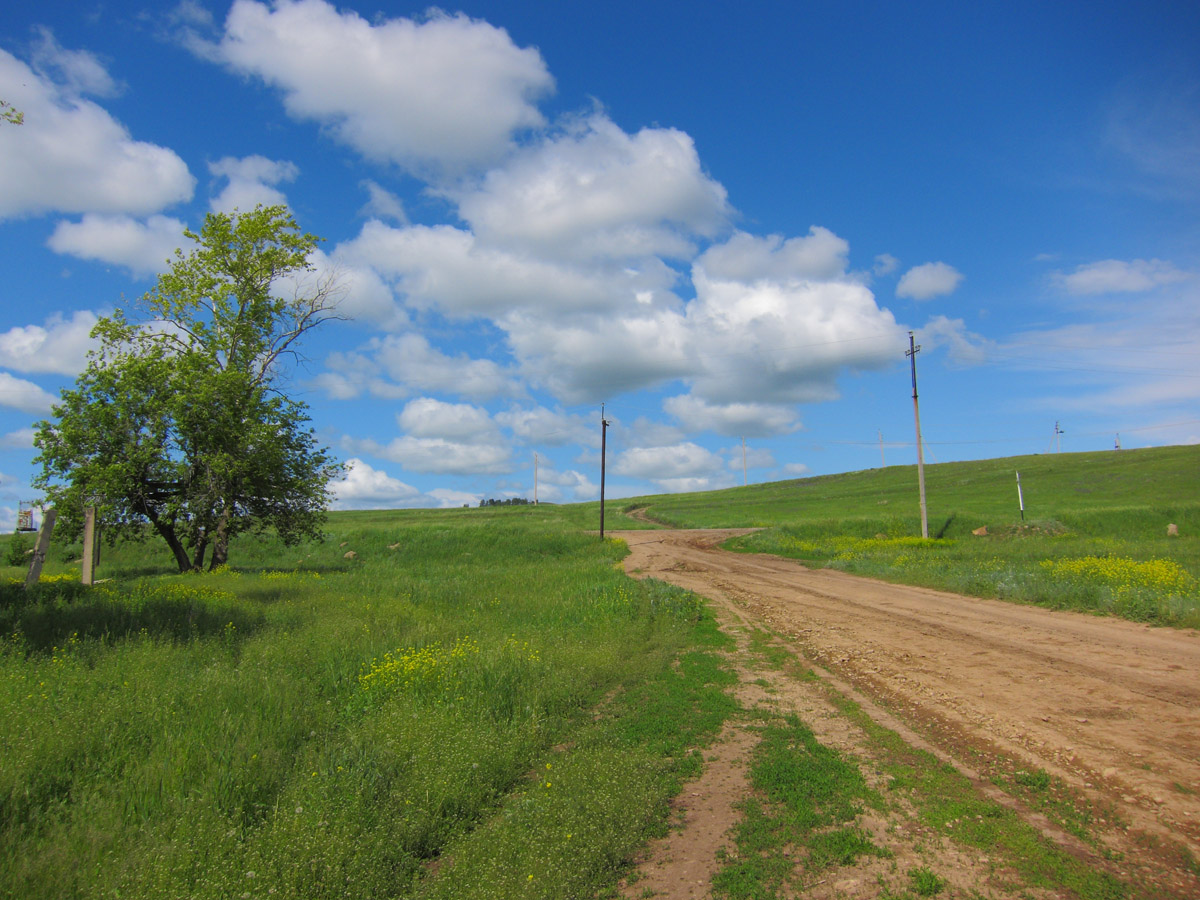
(10, 114)
(17, 552)
(179, 421)
(245, 730)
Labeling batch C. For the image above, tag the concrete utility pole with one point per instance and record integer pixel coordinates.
(603, 453)
(911, 353)
(88, 575)
(40, 549)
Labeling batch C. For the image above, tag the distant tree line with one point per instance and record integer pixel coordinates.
(510, 501)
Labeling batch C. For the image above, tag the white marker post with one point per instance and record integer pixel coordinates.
(1020, 499)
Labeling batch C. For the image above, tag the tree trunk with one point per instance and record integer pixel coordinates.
(220, 552)
(198, 554)
(167, 531)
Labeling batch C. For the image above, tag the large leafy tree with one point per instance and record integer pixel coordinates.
(179, 421)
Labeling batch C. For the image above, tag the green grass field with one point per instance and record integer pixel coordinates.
(479, 703)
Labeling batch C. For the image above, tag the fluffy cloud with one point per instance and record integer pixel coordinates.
(366, 488)
(446, 93)
(733, 419)
(426, 417)
(442, 438)
(76, 72)
(360, 293)
(588, 359)
(569, 486)
(438, 456)
(383, 204)
(783, 341)
(549, 428)
(821, 254)
(71, 156)
(411, 361)
(250, 181)
(1112, 276)
(885, 264)
(21, 439)
(144, 248)
(660, 464)
(451, 499)
(924, 282)
(596, 191)
(448, 269)
(17, 393)
(60, 346)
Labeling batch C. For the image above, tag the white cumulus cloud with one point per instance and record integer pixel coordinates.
(929, 280)
(59, 346)
(1113, 276)
(444, 93)
(17, 393)
(71, 156)
(143, 247)
(250, 181)
(596, 191)
(364, 487)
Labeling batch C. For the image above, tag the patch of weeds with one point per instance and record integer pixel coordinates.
(925, 882)
(807, 798)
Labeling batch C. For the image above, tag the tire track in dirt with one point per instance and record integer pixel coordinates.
(1111, 707)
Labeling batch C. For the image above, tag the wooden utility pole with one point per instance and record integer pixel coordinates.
(603, 450)
(40, 549)
(911, 353)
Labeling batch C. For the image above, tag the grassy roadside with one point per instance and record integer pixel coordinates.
(483, 701)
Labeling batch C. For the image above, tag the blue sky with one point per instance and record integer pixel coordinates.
(721, 220)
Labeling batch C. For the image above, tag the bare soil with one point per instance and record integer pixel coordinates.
(1110, 707)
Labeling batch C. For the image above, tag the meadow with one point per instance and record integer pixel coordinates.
(478, 702)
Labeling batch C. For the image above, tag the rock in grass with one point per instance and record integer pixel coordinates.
(349, 554)
(1172, 530)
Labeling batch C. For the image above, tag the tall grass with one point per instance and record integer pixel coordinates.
(396, 724)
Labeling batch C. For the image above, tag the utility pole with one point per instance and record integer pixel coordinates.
(1058, 433)
(745, 479)
(911, 353)
(535, 464)
(603, 453)
(882, 461)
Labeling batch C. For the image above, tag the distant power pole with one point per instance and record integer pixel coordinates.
(535, 464)
(1058, 433)
(745, 479)
(911, 353)
(882, 461)
(603, 449)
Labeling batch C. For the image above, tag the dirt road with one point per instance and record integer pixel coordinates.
(1111, 707)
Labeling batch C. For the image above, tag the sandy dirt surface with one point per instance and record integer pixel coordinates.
(1111, 707)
